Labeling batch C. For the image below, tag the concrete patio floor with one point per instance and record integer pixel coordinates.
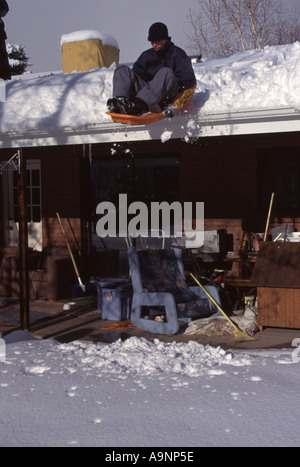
(49, 320)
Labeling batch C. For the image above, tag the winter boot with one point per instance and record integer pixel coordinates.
(138, 107)
(116, 104)
(123, 105)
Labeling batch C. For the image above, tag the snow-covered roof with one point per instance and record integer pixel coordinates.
(256, 91)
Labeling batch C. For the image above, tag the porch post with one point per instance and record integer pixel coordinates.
(23, 243)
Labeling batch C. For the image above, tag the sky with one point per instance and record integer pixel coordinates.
(38, 25)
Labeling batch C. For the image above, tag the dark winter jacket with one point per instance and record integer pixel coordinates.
(3, 11)
(171, 56)
(3, 8)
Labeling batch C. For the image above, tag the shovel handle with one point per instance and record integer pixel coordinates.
(269, 215)
(214, 302)
(69, 248)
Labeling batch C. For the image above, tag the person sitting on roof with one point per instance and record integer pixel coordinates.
(4, 65)
(158, 75)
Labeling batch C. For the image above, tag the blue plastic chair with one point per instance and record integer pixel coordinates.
(158, 281)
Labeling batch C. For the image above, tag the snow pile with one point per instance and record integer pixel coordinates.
(146, 393)
(148, 358)
(84, 35)
(255, 79)
(55, 101)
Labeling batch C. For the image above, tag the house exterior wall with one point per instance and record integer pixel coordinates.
(225, 173)
(223, 176)
(62, 177)
(222, 172)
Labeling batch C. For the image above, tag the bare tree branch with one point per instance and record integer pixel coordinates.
(226, 26)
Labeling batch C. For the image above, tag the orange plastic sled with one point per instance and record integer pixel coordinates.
(179, 103)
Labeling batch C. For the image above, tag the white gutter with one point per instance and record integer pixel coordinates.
(184, 126)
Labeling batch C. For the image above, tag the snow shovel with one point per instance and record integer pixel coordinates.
(81, 285)
(239, 335)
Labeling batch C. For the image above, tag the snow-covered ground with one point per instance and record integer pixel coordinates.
(145, 393)
(255, 79)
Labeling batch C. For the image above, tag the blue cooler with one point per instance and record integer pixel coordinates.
(109, 282)
(116, 302)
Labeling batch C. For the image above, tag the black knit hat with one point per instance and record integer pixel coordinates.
(158, 32)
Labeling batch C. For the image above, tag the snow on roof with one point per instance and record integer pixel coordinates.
(252, 81)
(88, 34)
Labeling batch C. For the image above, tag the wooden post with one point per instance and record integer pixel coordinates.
(23, 243)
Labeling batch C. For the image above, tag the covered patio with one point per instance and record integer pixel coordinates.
(49, 320)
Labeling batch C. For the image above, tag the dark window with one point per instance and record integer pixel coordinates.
(144, 179)
(279, 172)
(33, 195)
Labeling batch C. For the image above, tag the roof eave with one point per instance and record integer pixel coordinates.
(185, 126)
